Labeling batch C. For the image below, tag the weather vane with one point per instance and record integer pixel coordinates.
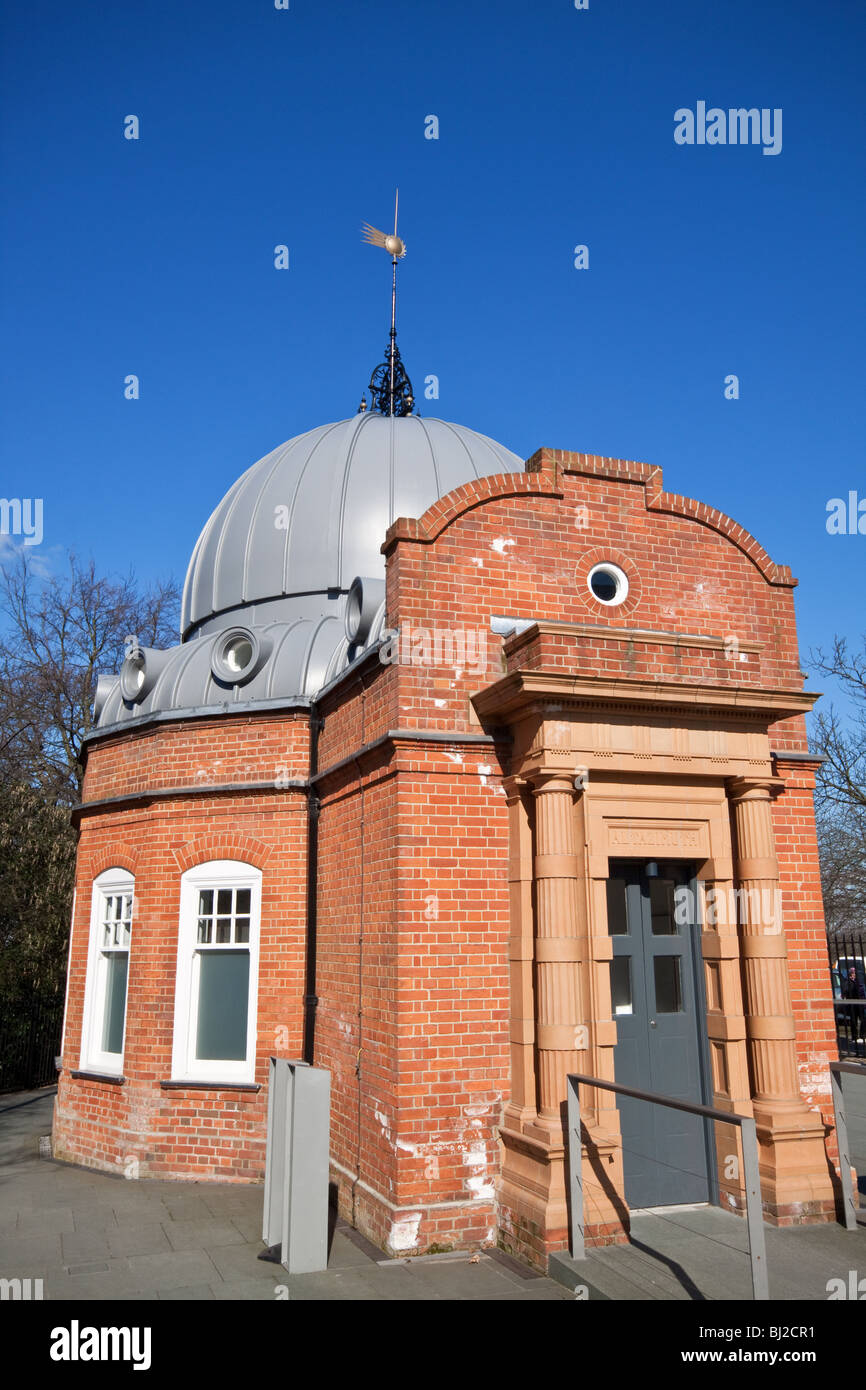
(390, 387)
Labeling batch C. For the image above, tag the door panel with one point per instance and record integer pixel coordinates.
(659, 1038)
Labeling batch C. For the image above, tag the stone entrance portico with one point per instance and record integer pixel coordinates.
(634, 769)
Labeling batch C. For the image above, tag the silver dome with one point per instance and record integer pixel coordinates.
(312, 514)
(279, 554)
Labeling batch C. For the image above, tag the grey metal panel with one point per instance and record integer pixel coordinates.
(198, 586)
(295, 1208)
(313, 554)
(280, 1081)
(308, 1131)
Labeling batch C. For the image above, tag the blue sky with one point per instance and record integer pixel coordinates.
(261, 126)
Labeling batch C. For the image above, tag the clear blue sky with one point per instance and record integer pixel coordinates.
(262, 126)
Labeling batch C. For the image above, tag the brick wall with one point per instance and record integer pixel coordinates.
(191, 1132)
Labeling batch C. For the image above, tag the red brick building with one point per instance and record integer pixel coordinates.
(467, 773)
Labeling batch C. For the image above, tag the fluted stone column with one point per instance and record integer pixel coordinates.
(522, 1104)
(794, 1171)
(764, 950)
(561, 1027)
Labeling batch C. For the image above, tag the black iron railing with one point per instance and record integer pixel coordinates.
(29, 1042)
(847, 953)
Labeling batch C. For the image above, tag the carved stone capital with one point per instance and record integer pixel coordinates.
(753, 788)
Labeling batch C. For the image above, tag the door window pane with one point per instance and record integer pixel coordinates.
(661, 891)
(223, 1002)
(620, 985)
(617, 922)
(669, 994)
(115, 1002)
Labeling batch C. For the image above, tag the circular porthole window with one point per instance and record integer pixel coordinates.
(235, 656)
(132, 676)
(608, 584)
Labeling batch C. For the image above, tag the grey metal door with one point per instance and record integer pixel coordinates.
(657, 1000)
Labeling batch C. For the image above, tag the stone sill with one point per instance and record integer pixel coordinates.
(107, 1077)
(209, 1086)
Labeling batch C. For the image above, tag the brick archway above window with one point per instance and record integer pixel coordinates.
(113, 856)
(590, 604)
(221, 845)
(428, 527)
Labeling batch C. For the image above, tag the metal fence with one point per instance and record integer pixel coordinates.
(29, 1042)
(751, 1178)
(847, 952)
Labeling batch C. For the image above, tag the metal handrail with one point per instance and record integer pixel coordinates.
(754, 1212)
(849, 1208)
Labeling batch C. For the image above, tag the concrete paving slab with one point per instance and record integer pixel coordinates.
(52, 1221)
(173, 1270)
(105, 1284)
(94, 1220)
(246, 1290)
(79, 1246)
(135, 1239)
(354, 1285)
(228, 1197)
(186, 1207)
(201, 1234)
(545, 1294)
(344, 1254)
(241, 1262)
(250, 1226)
(17, 1251)
(192, 1292)
(465, 1279)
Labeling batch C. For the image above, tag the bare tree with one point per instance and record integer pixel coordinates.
(842, 850)
(840, 792)
(841, 743)
(60, 633)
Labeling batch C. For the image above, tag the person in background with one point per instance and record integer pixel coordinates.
(854, 988)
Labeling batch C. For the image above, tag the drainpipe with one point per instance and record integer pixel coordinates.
(313, 807)
(361, 867)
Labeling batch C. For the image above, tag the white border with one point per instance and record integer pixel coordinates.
(216, 873)
(92, 1057)
(608, 567)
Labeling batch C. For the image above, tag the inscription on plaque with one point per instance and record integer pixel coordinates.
(655, 838)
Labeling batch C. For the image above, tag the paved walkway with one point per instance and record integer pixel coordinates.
(91, 1235)
(698, 1253)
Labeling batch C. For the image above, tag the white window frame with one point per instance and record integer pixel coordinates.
(619, 577)
(185, 1066)
(109, 883)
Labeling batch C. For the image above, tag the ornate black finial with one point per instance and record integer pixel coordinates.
(390, 388)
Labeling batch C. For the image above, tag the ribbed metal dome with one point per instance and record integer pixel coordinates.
(274, 564)
(312, 514)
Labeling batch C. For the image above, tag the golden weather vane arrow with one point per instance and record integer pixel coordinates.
(390, 387)
(390, 243)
